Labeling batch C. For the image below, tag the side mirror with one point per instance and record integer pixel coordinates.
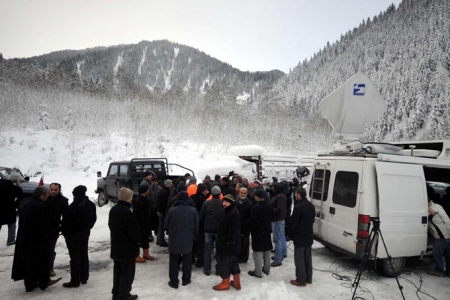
(99, 174)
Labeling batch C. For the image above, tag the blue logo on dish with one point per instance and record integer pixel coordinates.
(359, 89)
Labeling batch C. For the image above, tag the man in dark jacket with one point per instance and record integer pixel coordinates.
(210, 215)
(31, 253)
(260, 220)
(10, 190)
(76, 226)
(279, 209)
(148, 179)
(300, 230)
(125, 238)
(161, 206)
(198, 252)
(56, 205)
(244, 205)
(181, 224)
(141, 213)
(229, 245)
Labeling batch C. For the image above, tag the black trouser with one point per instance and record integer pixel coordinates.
(52, 253)
(144, 244)
(447, 259)
(227, 265)
(303, 264)
(174, 263)
(245, 247)
(123, 277)
(199, 247)
(77, 244)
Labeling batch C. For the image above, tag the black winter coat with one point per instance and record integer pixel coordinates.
(211, 214)
(8, 194)
(300, 226)
(261, 226)
(181, 224)
(198, 199)
(141, 212)
(279, 207)
(79, 217)
(124, 230)
(56, 206)
(245, 208)
(163, 200)
(229, 233)
(31, 253)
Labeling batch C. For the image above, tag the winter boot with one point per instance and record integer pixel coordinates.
(224, 285)
(140, 259)
(147, 256)
(236, 282)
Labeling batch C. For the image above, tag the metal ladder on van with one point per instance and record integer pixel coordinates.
(321, 192)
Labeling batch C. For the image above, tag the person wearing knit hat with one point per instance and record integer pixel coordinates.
(76, 226)
(192, 188)
(141, 212)
(211, 214)
(229, 245)
(181, 224)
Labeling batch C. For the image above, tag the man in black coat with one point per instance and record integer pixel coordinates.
(198, 250)
(300, 230)
(141, 213)
(229, 245)
(31, 253)
(56, 205)
(181, 224)
(244, 205)
(10, 190)
(279, 210)
(125, 239)
(260, 220)
(211, 215)
(161, 207)
(78, 220)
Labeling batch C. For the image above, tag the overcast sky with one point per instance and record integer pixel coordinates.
(251, 35)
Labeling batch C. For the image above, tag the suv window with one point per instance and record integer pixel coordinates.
(123, 171)
(317, 184)
(345, 188)
(113, 170)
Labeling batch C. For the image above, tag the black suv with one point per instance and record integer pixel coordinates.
(27, 186)
(130, 174)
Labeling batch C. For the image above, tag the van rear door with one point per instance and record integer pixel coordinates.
(403, 209)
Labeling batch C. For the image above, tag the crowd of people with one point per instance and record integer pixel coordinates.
(211, 225)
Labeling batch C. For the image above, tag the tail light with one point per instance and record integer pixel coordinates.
(363, 226)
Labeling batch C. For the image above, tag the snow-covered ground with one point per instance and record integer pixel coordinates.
(74, 159)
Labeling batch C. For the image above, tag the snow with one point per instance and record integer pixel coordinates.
(247, 150)
(73, 159)
(118, 64)
(242, 99)
(142, 60)
(206, 81)
(79, 64)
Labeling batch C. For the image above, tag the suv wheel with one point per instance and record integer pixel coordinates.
(398, 265)
(101, 199)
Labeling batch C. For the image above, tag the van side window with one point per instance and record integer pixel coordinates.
(345, 188)
(317, 184)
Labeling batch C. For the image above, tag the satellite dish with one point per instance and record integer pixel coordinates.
(352, 107)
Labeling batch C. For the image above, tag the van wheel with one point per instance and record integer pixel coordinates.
(398, 265)
(101, 199)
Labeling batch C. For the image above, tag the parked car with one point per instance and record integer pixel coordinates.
(27, 186)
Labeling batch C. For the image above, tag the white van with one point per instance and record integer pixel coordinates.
(360, 182)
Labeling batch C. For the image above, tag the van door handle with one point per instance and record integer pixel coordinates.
(332, 210)
(424, 220)
(347, 233)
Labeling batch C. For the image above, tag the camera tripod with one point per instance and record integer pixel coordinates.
(374, 234)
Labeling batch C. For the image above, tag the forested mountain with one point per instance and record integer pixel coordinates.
(144, 70)
(405, 51)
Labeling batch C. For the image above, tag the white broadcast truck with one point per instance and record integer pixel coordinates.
(359, 182)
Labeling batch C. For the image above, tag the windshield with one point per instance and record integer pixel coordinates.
(5, 172)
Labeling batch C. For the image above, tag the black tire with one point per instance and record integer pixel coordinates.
(101, 200)
(398, 264)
